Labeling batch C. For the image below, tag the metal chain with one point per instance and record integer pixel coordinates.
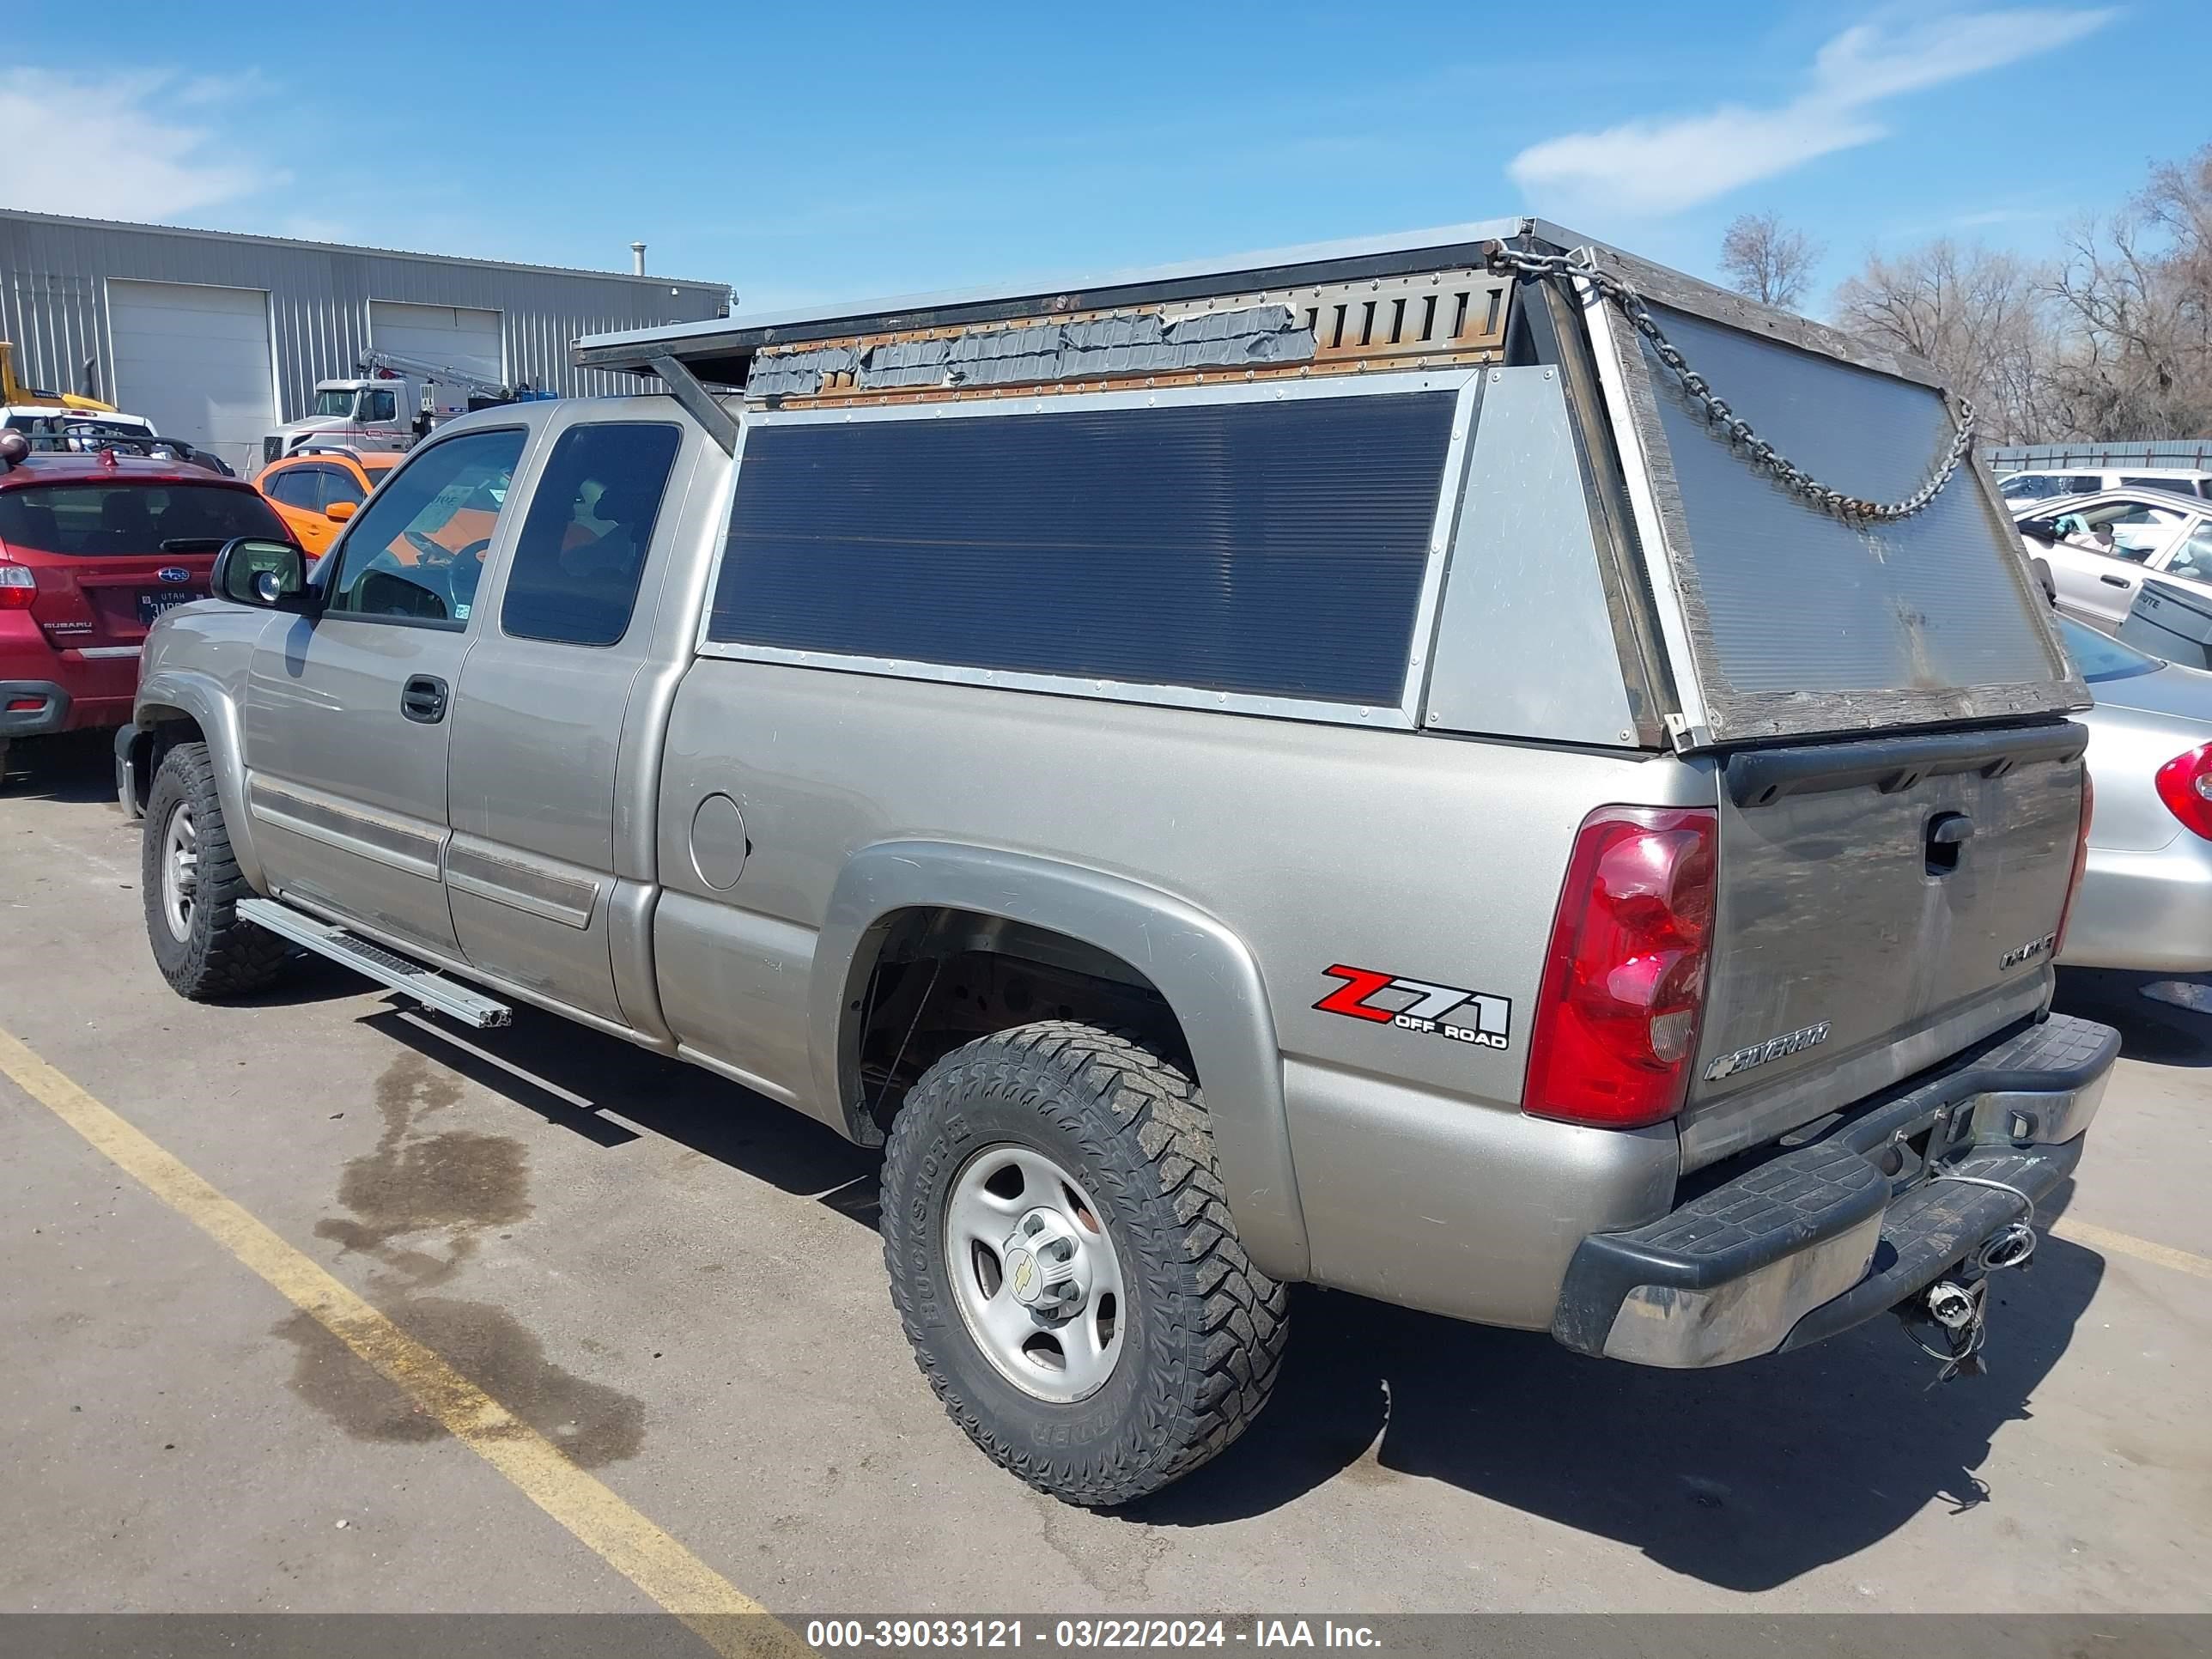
(1577, 267)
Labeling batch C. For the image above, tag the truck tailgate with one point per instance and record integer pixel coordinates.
(1881, 904)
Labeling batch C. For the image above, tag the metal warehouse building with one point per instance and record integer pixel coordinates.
(218, 337)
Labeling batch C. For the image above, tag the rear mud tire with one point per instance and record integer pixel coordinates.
(1203, 1330)
(217, 954)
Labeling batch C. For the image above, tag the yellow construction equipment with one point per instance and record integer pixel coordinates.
(13, 392)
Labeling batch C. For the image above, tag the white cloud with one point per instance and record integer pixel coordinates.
(1656, 167)
(102, 147)
(2010, 215)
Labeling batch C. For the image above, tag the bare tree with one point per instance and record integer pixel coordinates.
(1766, 259)
(1978, 314)
(2135, 292)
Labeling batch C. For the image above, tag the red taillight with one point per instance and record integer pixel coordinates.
(2185, 784)
(19, 588)
(1624, 983)
(2081, 852)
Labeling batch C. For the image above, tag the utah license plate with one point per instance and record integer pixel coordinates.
(151, 605)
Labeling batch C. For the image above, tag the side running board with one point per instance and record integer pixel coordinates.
(409, 979)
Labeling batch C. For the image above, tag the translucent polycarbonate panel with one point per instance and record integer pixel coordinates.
(1783, 598)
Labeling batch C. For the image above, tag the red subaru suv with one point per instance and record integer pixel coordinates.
(92, 548)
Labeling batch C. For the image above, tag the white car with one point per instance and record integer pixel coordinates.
(2022, 488)
(45, 420)
(2098, 548)
(89, 430)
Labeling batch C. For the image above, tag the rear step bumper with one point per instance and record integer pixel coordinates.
(1824, 1236)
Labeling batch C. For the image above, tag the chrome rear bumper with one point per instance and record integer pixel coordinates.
(1826, 1235)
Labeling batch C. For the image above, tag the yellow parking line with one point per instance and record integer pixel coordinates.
(729, 1620)
(2104, 1238)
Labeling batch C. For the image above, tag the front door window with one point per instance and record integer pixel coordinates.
(415, 550)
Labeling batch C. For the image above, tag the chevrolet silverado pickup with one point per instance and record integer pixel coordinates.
(1468, 769)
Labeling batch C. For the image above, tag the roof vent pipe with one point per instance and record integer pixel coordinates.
(637, 259)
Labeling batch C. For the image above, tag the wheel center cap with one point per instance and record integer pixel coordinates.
(1045, 1263)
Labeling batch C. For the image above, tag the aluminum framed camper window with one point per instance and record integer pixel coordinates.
(1313, 534)
(1781, 620)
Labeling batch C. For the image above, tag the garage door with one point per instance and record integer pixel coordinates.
(195, 362)
(451, 336)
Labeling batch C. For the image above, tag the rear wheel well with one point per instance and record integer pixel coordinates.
(161, 728)
(939, 978)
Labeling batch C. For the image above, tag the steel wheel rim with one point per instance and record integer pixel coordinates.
(181, 870)
(1011, 1205)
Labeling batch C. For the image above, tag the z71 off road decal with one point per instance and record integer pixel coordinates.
(1414, 1005)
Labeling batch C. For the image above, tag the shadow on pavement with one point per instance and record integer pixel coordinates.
(2149, 1030)
(76, 767)
(1744, 1478)
(598, 1085)
(307, 978)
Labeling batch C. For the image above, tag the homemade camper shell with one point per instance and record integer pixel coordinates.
(1412, 482)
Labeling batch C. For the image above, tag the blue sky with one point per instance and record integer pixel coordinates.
(805, 152)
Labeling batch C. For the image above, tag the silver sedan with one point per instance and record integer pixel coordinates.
(2146, 897)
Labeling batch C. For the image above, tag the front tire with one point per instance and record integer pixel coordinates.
(1066, 1266)
(192, 886)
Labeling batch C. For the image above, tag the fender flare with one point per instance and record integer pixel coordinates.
(202, 698)
(1203, 970)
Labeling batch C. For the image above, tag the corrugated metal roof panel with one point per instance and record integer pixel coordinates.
(54, 270)
(258, 239)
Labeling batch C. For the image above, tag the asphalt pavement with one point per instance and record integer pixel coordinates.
(680, 1287)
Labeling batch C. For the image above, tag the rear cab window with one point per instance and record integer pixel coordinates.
(119, 520)
(581, 553)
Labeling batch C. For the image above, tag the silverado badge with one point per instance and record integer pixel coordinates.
(1758, 1054)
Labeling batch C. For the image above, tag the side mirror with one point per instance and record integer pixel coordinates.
(269, 575)
(339, 511)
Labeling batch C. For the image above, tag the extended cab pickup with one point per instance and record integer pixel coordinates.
(1342, 767)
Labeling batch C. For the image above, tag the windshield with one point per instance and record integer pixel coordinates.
(2099, 656)
(118, 520)
(334, 402)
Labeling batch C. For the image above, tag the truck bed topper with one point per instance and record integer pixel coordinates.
(1804, 541)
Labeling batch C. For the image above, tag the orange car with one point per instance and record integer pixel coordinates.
(317, 491)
